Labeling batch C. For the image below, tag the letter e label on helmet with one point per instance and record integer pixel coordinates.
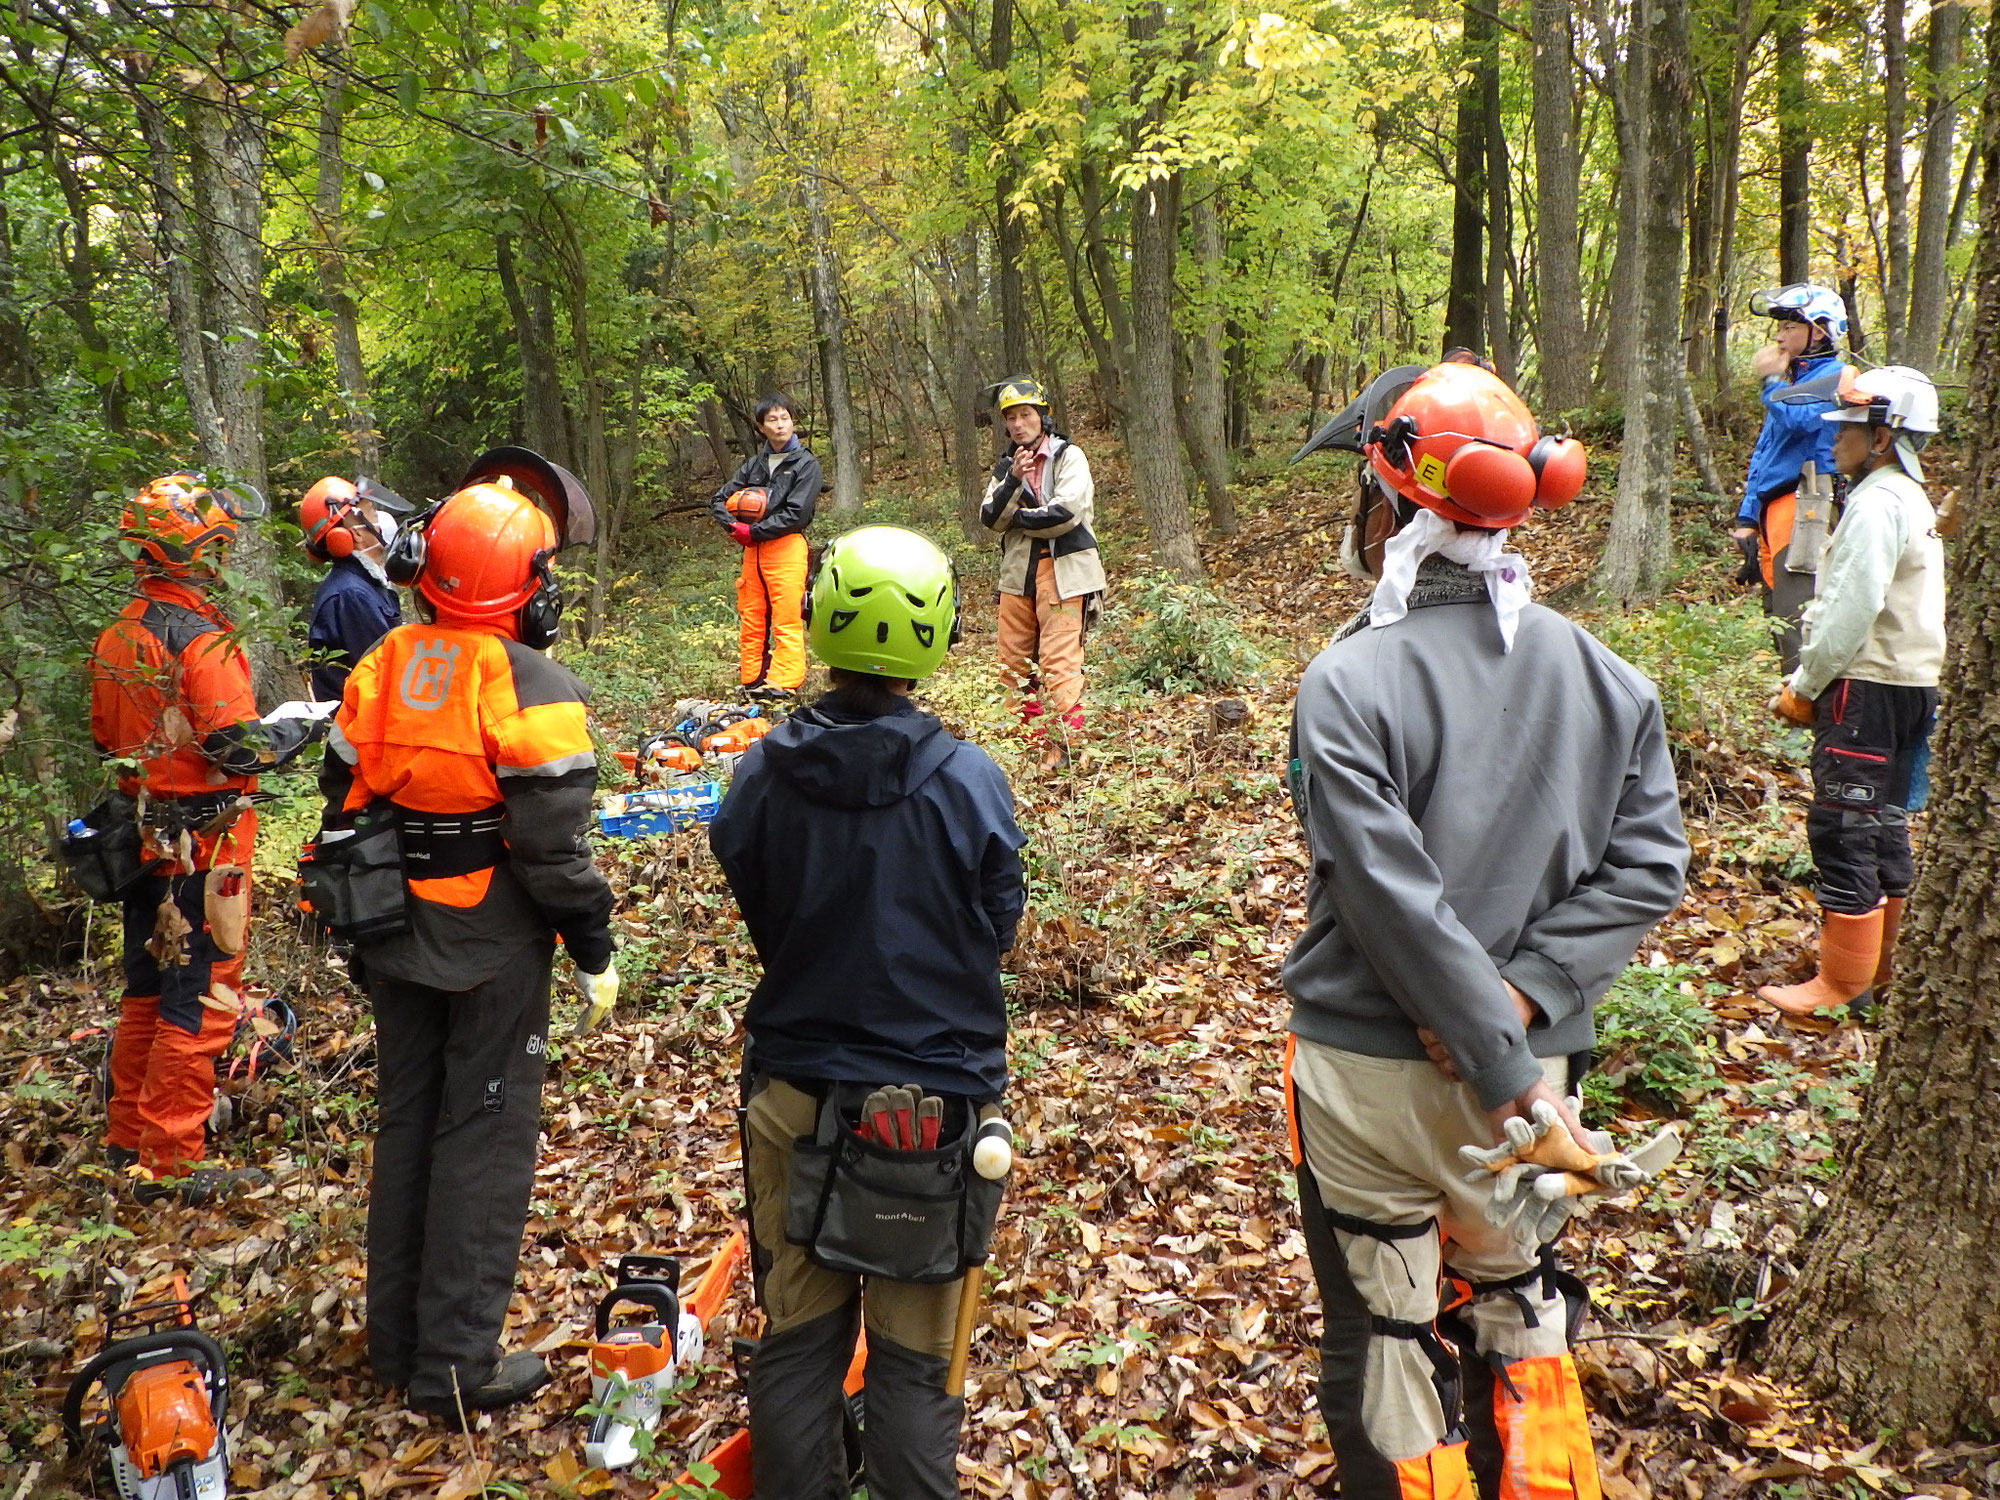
(1430, 474)
(427, 679)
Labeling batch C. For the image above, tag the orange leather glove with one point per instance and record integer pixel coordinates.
(1789, 705)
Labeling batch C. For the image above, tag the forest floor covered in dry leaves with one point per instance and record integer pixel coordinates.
(1151, 1319)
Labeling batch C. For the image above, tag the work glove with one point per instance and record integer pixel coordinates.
(739, 533)
(1752, 570)
(1789, 705)
(600, 993)
(1541, 1176)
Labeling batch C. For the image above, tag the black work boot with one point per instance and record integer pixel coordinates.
(517, 1376)
(121, 1159)
(201, 1186)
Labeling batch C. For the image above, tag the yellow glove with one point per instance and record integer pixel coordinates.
(600, 993)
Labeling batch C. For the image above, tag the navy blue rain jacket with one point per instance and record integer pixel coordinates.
(352, 610)
(877, 865)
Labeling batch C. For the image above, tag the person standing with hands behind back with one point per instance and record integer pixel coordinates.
(766, 507)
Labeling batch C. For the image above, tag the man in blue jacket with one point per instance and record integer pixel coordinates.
(350, 527)
(877, 863)
(1801, 371)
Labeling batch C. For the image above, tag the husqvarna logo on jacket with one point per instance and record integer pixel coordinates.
(427, 679)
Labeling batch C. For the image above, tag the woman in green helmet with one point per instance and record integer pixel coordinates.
(876, 861)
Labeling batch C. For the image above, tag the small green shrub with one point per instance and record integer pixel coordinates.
(1177, 637)
(1654, 1042)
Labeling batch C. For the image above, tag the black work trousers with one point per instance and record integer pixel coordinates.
(459, 1092)
(1866, 736)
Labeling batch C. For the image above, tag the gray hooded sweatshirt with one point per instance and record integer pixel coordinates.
(1475, 815)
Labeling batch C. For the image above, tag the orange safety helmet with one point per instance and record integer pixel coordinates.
(1460, 442)
(486, 554)
(324, 516)
(748, 505)
(182, 530)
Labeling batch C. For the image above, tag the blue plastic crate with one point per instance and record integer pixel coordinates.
(661, 811)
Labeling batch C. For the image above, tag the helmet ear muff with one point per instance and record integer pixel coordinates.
(1560, 469)
(337, 541)
(1488, 480)
(540, 619)
(404, 560)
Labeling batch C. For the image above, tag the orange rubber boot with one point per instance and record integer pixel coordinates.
(1850, 948)
(1892, 923)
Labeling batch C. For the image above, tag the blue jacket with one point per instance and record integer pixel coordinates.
(877, 865)
(1793, 435)
(352, 610)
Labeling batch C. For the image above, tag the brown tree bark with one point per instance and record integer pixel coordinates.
(544, 423)
(1895, 181)
(1205, 427)
(1150, 424)
(1637, 551)
(1010, 241)
(1561, 355)
(830, 337)
(358, 411)
(1943, 47)
(1794, 148)
(1464, 302)
(1895, 1317)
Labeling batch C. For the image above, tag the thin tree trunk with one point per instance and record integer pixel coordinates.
(358, 411)
(1499, 235)
(1928, 287)
(1009, 239)
(1794, 148)
(17, 354)
(1895, 182)
(1636, 553)
(1561, 355)
(830, 334)
(1464, 310)
(1895, 1317)
(1729, 175)
(178, 258)
(544, 425)
(1206, 427)
(1698, 444)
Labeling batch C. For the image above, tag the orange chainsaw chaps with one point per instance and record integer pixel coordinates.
(1545, 1446)
(164, 1417)
(1441, 1474)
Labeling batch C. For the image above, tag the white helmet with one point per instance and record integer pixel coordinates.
(1803, 302)
(1898, 398)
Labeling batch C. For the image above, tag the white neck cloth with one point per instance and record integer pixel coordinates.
(1483, 552)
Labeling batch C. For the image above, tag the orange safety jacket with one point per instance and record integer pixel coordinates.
(482, 746)
(170, 689)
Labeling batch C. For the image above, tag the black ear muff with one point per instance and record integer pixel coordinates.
(404, 561)
(1560, 470)
(1489, 480)
(541, 617)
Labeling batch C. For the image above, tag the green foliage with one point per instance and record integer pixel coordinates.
(1653, 1035)
(1178, 637)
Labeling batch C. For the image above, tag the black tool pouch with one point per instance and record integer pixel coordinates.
(857, 1206)
(353, 876)
(105, 857)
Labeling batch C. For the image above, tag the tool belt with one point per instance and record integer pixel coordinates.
(106, 856)
(860, 1207)
(437, 846)
(353, 876)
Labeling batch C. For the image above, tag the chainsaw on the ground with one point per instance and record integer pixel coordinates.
(634, 1366)
(166, 1387)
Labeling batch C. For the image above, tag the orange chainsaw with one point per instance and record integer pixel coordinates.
(167, 1390)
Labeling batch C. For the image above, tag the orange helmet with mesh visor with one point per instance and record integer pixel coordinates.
(1460, 442)
(486, 552)
(182, 528)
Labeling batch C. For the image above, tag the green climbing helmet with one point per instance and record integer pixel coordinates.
(883, 601)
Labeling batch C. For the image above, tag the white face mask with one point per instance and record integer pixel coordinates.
(385, 527)
(1350, 555)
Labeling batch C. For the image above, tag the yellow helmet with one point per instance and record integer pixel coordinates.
(1019, 390)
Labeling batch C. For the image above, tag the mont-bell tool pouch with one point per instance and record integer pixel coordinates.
(860, 1207)
(353, 876)
(105, 856)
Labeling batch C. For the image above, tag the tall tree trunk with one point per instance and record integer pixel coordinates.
(544, 424)
(1010, 241)
(1618, 358)
(1151, 430)
(1464, 302)
(1205, 425)
(1794, 147)
(595, 444)
(329, 226)
(1561, 354)
(1895, 182)
(17, 354)
(1895, 1318)
(178, 259)
(1499, 238)
(1636, 553)
(1728, 172)
(830, 336)
(1927, 269)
